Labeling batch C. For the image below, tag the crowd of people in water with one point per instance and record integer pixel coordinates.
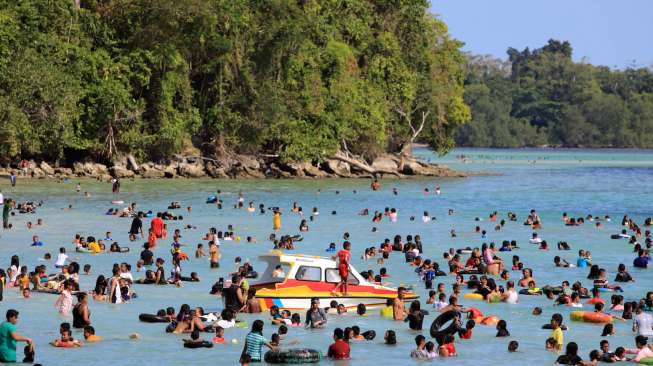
(481, 273)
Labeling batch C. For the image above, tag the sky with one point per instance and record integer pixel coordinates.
(617, 33)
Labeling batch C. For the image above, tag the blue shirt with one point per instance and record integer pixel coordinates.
(641, 262)
(255, 342)
(581, 262)
(37, 244)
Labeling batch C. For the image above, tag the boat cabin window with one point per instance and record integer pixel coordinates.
(280, 271)
(333, 276)
(306, 273)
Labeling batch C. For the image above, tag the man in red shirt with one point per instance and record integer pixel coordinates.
(339, 350)
(151, 239)
(343, 266)
(157, 225)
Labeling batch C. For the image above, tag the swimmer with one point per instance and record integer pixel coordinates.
(89, 334)
(199, 252)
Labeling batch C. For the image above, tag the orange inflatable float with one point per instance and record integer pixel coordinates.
(590, 317)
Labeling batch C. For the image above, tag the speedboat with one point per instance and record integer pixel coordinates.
(304, 277)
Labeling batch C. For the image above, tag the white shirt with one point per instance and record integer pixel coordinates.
(2, 199)
(226, 324)
(14, 273)
(513, 298)
(61, 260)
(127, 276)
(439, 305)
(644, 323)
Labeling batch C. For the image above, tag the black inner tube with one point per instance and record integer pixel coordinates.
(203, 344)
(437, 329)
(293, 356)
(153, 318)
(369, 335)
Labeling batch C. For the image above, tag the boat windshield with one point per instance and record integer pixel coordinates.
(275, 272)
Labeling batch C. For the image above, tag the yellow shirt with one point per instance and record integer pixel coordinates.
(94, 247)
(557, 335)
(93, 338)
(276, 221)
(387, 312)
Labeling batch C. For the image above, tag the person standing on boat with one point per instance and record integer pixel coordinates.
(343, 256)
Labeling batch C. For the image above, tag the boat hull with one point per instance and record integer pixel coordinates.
(302, 303)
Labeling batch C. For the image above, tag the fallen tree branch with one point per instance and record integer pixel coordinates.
(362, 166)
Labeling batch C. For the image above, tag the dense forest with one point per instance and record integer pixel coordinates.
(299, 80)
(541, 97)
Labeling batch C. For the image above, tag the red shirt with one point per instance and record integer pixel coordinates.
(339, 350)
(157, 226)
(595, 300)
(151, 240)
(451, 348)
(466, 335)
(343, 256)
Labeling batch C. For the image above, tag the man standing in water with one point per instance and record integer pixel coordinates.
(6, 210)
(136, 227)
(214, 255)
(115, 186)
(9, 337)
(12, 178)
(276, 220)
(398, 310)
(343, 267)
(157, 225)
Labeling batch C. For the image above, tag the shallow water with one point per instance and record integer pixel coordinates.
(580, 182)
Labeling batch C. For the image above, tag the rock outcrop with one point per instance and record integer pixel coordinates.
(238, 167)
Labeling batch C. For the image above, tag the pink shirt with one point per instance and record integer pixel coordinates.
(640, 353)
(487, 257)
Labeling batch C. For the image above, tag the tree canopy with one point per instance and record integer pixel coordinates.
(542, 97)
(298, 79)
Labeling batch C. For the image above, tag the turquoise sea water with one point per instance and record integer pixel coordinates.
(580, 182)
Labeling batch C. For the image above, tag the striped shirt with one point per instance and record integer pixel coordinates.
(255, 342)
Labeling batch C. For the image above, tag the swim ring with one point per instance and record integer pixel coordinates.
(590, 317)
(293, 356)
(153, 318)
(437, 329)
(203, 344)
(473, 296)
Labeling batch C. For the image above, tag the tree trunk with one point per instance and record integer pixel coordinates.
(362, 166)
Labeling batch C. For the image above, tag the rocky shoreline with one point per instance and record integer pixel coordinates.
(234, 167)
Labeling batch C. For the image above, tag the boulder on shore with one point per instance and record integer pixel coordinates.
(191, 170)
(118, 171)
(337, 167)
(385, 163)
(46, 168)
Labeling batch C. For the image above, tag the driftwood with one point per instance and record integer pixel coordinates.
(132, 161)
(362, 166)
